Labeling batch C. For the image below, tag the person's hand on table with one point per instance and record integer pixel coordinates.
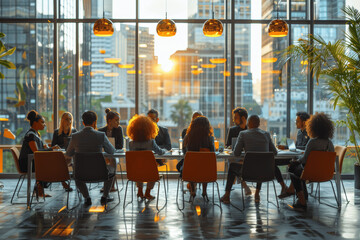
(281, 147)
(55, 147)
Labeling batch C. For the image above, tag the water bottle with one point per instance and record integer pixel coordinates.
(127, 141)
(180, 144)
(274, 139)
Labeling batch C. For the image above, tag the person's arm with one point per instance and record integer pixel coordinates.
(228, 139)
(167, 141)
(183, 134)
(119, 140)
(308, 149)
(212, 144)
(108, 147)
(239, 146)
(55, 138)
(70, 151)
(33, 146)
(156, 148)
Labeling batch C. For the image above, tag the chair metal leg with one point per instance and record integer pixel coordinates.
(127, 183)
(117, 187)
(21, 185)
(218, 191)
(226, 163)
(336, 198)
(182, 193)
(15, 189)
(122, 177)
(277, 202)
(342, 183)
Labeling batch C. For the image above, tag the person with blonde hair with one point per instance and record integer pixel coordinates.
(62, 135)
(142, 131)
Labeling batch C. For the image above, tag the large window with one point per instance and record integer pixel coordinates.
(175, 75)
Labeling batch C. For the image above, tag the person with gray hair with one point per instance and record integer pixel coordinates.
(252, 139)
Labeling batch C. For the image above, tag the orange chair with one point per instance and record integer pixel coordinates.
(16, 154)
(141, 167)
(51, 167)
(340, 153)
(193, 163)
(320, 168)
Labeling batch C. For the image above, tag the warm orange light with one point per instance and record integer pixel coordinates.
(87, 63)
(218, 60)
(245, 63)
(166, 28)
(212, 28)
(304, 62)
(132, 71)
(102, 51)
(167, 66)
(278, 28)
(112, 60)
(271, 71)
(269, 60)
(8, 134)
(198, 210)
(156, 218)
(208, 65)
(237, 67)
(111, 74)
(226, 74)
(197, 72)
(4, 119)
(61, 209)
(241, 74)
(194, 66)
(97, 209)
(99, 71)
(103, 28)
(20, 103)
(125, 65)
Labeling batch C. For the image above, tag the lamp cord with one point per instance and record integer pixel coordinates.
(212, 7)
(103, 8)
(165, 9)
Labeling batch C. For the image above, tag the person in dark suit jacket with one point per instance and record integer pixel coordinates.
(90, 140)
(239, 116)
(253, 139)
(163, 137)
(194, 115)
(61, 136)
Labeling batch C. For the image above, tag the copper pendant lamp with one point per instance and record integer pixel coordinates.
(278, 27)
(103, 27)
(166, 27)
(212, 27)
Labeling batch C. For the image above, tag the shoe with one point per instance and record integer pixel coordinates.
(113, 189)
(105, 200)
(102, 190)
(66, 187)
(69, 189)
(299, 207)
(149, 197)
(257, 199)
(87, 202)
(205, 196)
(285, 195)
(225, 200)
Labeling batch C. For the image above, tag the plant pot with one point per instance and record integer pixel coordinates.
(357, 175)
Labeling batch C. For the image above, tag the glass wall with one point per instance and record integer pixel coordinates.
(175, 75)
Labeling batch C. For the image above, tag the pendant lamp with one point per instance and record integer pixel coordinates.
(103, 27)
(166, 27)
(278, 27)
(212, 27)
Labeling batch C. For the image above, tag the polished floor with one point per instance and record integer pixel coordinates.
(199, 220)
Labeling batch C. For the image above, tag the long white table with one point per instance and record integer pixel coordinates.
(282, 158)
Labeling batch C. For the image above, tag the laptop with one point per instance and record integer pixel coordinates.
(291, 144)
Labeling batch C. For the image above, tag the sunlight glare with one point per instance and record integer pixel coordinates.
(166, 66)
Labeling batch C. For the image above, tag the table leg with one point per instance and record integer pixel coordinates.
(29, 172)
(337, 181)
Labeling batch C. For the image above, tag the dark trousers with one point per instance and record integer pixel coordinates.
(235, 171)
(297, 171)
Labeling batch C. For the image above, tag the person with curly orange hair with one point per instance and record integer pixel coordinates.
(142, 132)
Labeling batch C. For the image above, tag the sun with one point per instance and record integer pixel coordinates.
(166, 66)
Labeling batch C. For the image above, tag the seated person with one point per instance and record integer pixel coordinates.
(239, 116)
(61, 136)
(31, 143)
(199, 135)
(253, 139)
(194, 115)
(302, 137)
(90, 140)
(142, 131)
(320, 129)
(113, 130)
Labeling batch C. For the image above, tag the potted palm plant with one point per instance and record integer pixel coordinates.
(338, 63)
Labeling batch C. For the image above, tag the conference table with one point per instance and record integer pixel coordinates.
(282, 158)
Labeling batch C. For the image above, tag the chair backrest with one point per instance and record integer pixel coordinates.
(141, 166)
(15, 153)
(200, 167)
(258, 167)
(90, 167)
(319, 166)
(340, 152)
(51, 167)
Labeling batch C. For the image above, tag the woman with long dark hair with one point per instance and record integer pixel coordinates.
(199, 136)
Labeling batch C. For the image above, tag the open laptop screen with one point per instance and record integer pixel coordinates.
(291, 144)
